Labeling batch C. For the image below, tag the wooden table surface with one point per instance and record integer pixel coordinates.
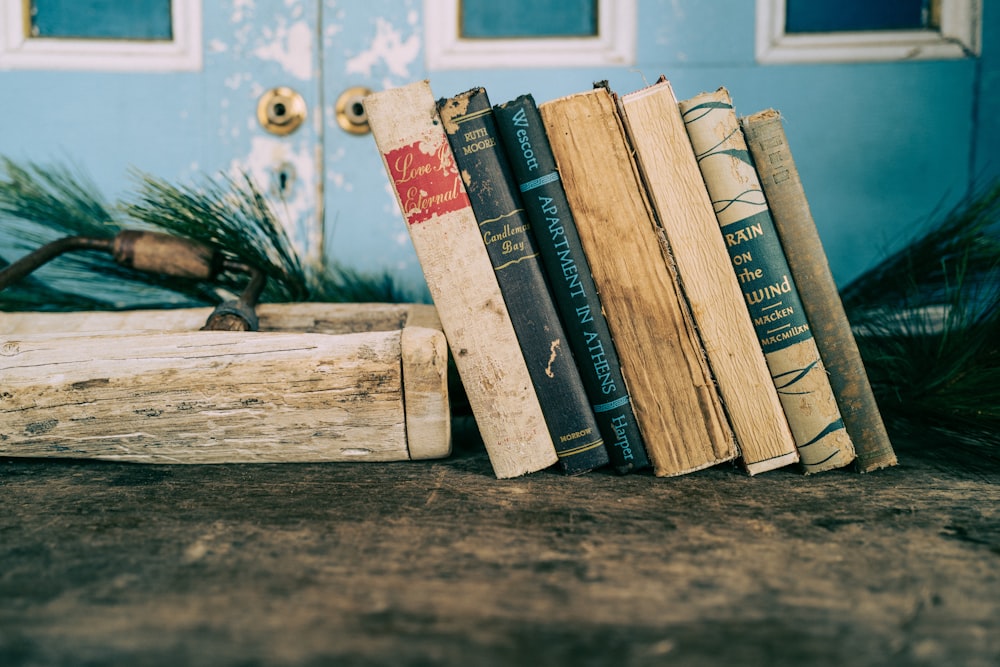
(438, 563)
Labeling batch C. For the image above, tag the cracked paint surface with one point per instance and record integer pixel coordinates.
(388, 48)
(290, 46)
(270, 158)
(256, 45)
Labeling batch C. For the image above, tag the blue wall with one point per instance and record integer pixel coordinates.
(880, 146)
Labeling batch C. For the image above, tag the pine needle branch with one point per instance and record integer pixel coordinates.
(41, 203)
(230, 214)
(60, 198)
(927, 321)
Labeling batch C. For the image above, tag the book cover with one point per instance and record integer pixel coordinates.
(677, 192)
(436, 209)
(504, 227)
(803, 248)
(673, 395)
(766, 281)
(554, 231)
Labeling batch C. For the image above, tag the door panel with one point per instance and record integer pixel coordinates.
(252, 48)
(181, 125)
(375, 44)
(190, 108)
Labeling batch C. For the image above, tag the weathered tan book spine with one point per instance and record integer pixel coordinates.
(677, 191)
(676, 402)
(803, 248)
(148, 386)
(460, 277)
(766, 281)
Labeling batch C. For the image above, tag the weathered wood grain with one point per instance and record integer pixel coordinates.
(329, 318)
(187, 396)
(676, 402)
(438, 563)
(677, 192)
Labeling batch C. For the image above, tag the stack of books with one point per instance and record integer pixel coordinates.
(629, 281)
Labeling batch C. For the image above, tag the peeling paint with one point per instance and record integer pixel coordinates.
(291, 47)
(233, 81)
(297, 209)
(392, 205)
(330, 31)
(240, 9)
(389, 47)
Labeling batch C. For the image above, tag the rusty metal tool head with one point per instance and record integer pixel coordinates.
(164, 254)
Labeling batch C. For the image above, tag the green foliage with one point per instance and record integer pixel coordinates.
(927, 321)
(41, 203)
(58, 198)
(231, 215)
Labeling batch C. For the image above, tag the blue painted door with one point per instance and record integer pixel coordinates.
(111, 89)
(188, 106)
(109, 101)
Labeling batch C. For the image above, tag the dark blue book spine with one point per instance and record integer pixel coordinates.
(527, 147)
(472, 132)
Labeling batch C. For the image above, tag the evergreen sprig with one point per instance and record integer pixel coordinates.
(57, 197)
(927, 321)
(231, 215)
(39, 203)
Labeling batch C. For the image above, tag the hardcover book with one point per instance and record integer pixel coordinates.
(674, 397)
(677, 192)
(505, 228)
(554, 231)
(768, 286)
(446, 237)
(803, 248)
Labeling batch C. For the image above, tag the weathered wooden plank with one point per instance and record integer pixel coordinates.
(91, 387)
(438, 563)
(330, 318)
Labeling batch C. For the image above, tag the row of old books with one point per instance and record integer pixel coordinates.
(620, 281)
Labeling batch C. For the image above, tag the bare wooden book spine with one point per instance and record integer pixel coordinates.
(677, 191)
(800, 239)
(460, 277)
(769, 290)
(675, 400)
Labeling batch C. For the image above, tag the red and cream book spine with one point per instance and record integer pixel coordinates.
(445, 234)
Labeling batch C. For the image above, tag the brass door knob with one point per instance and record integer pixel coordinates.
(350, 110)
(281, 110)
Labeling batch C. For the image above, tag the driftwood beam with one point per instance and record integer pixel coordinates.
(124, 386)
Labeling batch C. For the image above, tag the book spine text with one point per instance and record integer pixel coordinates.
(504, 228)
(573, 289)
(786, 198)
(445, 235)
(676, 402)
(766, 281)
(677, 191)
